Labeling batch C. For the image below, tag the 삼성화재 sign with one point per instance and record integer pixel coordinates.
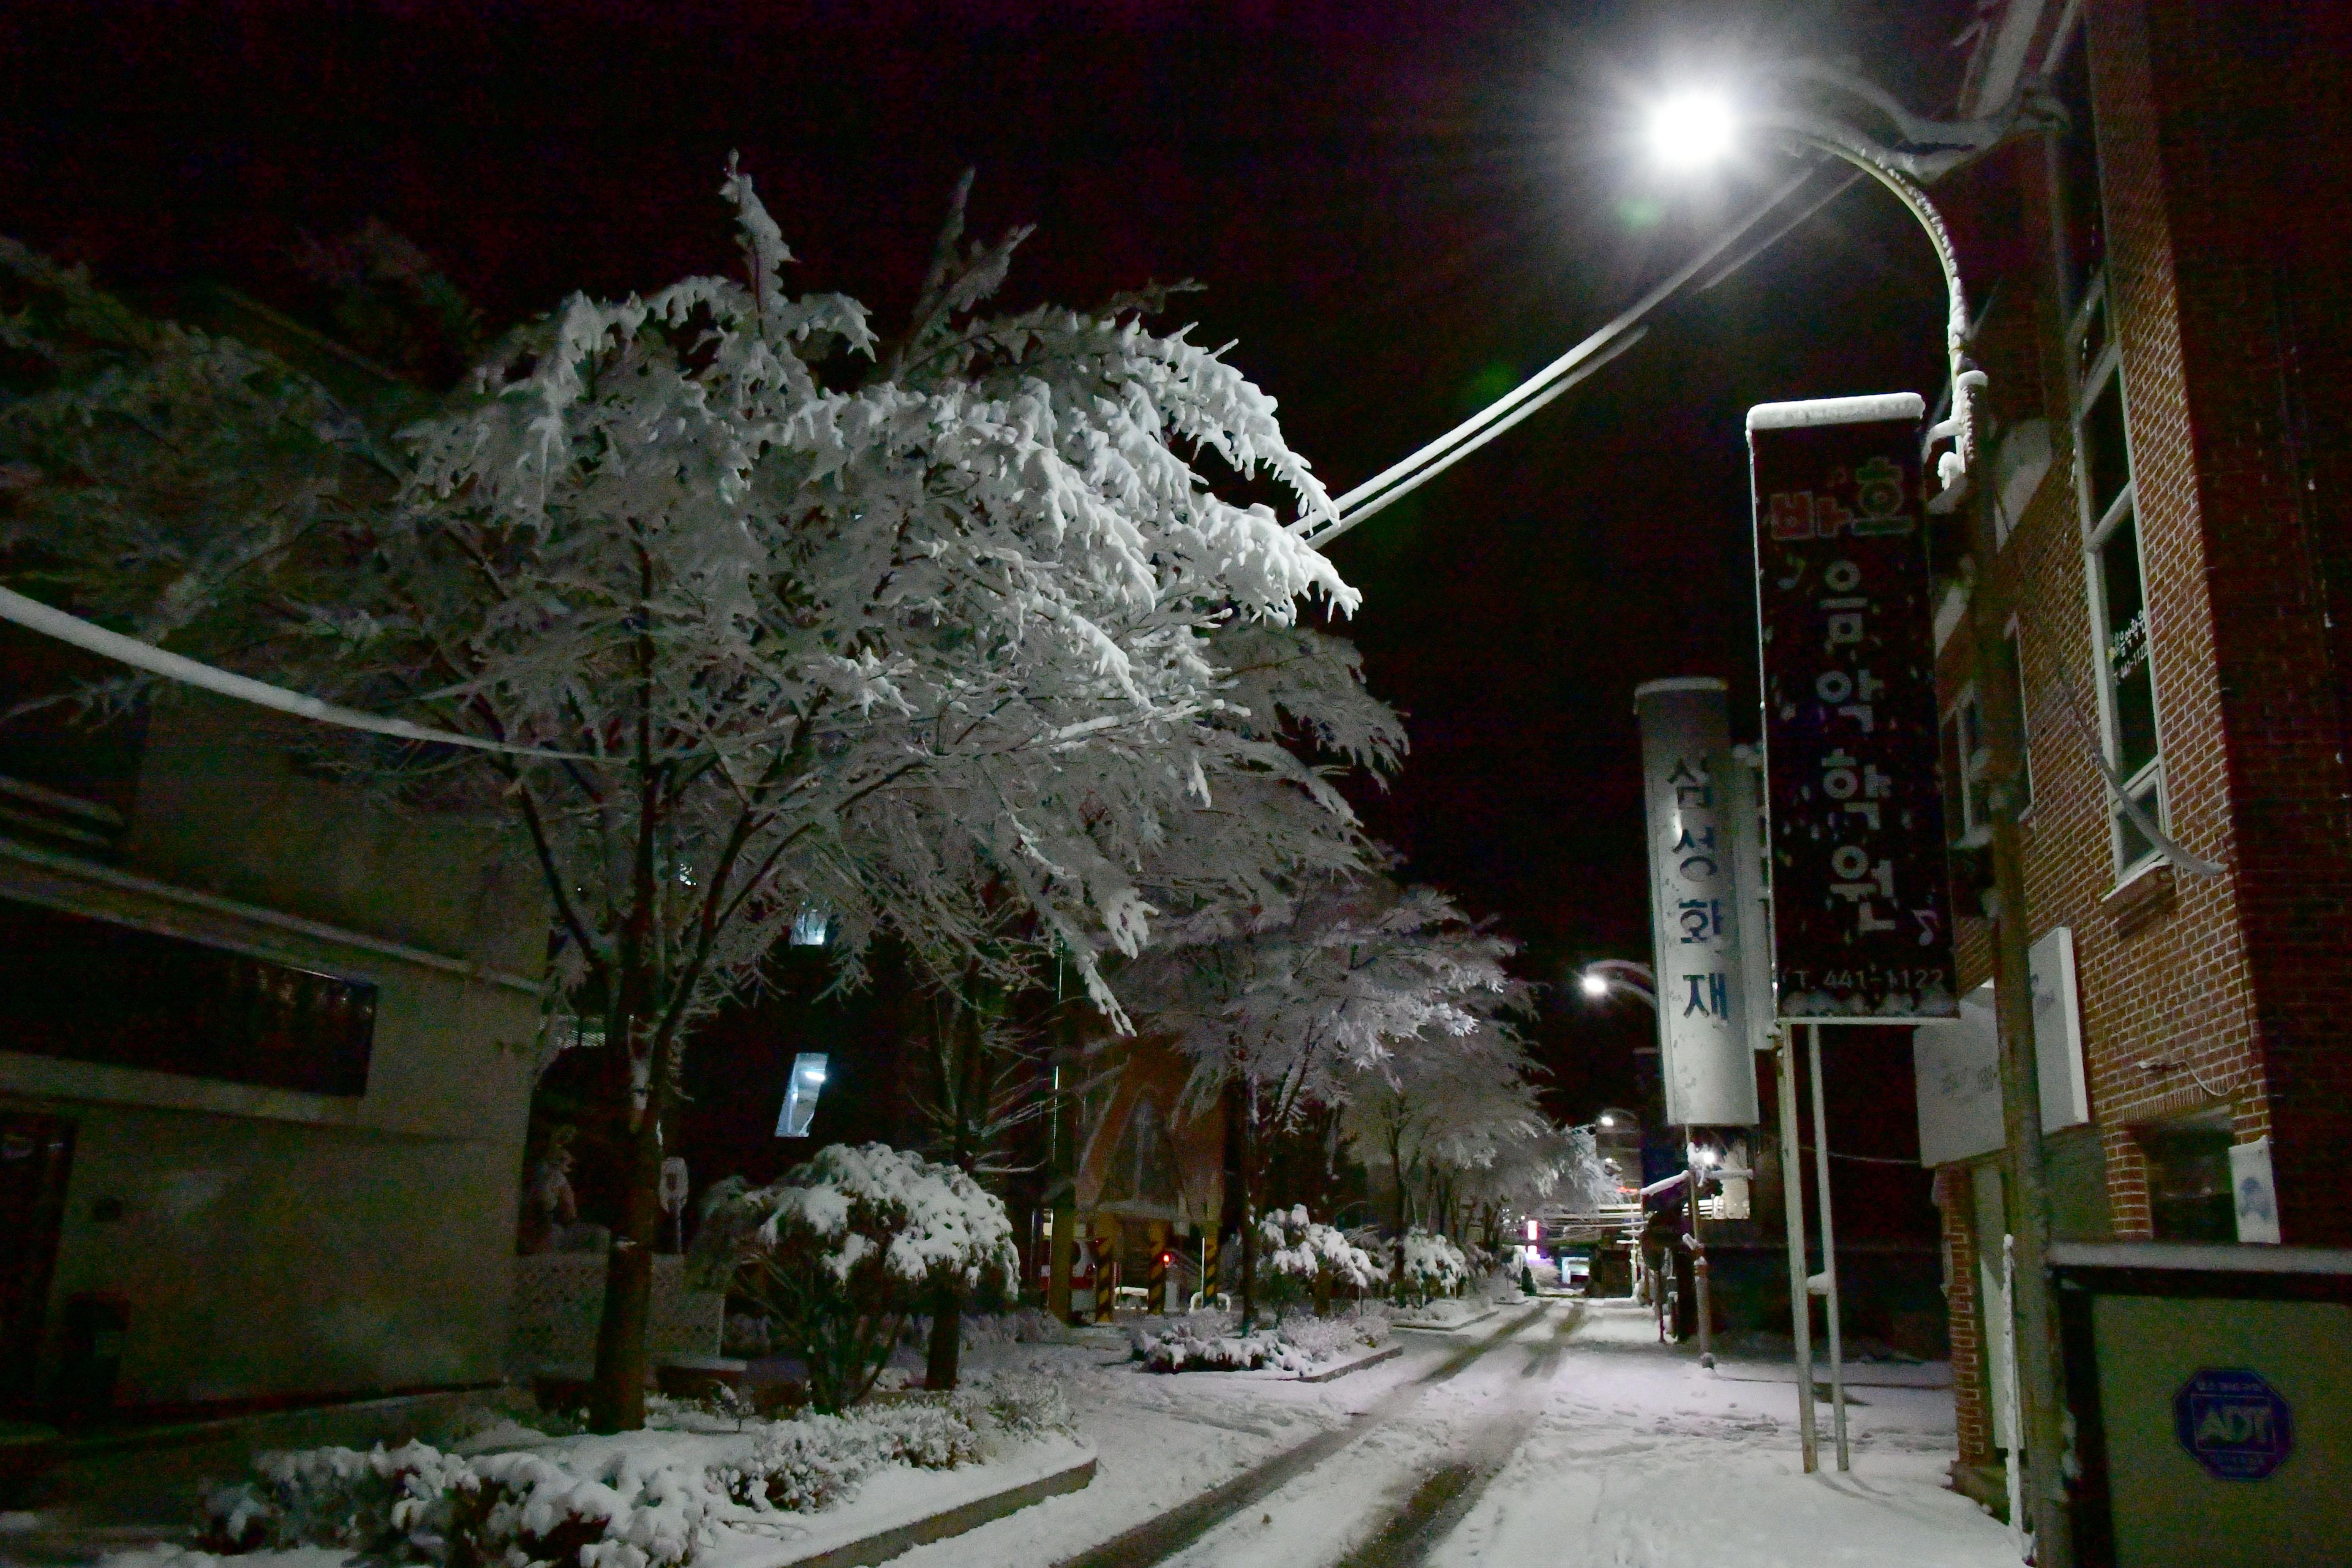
(1861, 895)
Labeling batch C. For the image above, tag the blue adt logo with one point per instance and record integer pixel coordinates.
(2233, 1424)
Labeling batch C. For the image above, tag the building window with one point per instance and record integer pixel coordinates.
(2189, 1187)
(2118, 583)
(1966, 820)
(1967, 758)
(2074, 172)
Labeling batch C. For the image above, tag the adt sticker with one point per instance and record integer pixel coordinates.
(2233, 1424)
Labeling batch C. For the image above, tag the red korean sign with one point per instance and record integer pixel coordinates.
(1861, 897)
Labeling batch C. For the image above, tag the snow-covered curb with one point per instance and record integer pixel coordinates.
(899, 1509)
(1455, 1327)
(1372, 1357)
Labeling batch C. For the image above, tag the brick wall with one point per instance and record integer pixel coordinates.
(2197, 993)
(2219, 113)
(1972, 1393)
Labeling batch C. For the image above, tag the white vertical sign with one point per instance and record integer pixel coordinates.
(1687, 795)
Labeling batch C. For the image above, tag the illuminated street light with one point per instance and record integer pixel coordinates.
(1603, 975)
(1692, 130)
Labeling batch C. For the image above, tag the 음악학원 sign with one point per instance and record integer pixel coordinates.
(1861, 898)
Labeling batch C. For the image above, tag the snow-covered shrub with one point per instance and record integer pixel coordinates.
(926, 1434)
(800, 1467)
(1181, 1350)
(1336, 1339)
(1020, 1407)
(1206, 1342)
(416, 1504)
(1300, 1251)
(842, 1252)
(1433, 1267)
(376, 1504)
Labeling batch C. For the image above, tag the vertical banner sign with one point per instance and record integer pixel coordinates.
(1694, 911)
(1861, 899)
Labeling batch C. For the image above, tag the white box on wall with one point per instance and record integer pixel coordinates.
(2058, 1032)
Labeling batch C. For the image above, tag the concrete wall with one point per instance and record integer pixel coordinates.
(273, 1244)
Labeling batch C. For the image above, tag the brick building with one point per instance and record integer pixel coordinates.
(2162, 314)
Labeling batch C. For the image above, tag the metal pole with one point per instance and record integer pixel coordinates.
(1829, 1256)
(1699, 1251)
(1792, 1204)
(2015, 1471)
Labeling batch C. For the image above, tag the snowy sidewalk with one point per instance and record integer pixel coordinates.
(1644, 1457)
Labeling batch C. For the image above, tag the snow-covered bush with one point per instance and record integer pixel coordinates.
(1020, 1407)
(1184, 1350)
(599, 1506)
(375, 1504)
(1206, 1342)
(1299, 1252)
(799, 1466)
(1335, 1339)
(843, 1251)
(416, 1504)
(1433, 1267)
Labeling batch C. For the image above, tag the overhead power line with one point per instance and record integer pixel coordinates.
(1399, 480)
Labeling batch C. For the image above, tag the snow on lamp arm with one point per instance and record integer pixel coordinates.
(1690, 129)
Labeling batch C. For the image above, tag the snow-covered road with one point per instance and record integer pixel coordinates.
(1561, 1436)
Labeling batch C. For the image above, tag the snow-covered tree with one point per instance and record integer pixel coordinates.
(848, 1247)
(1302, 1003)
(765, 614)
(1455, 1123)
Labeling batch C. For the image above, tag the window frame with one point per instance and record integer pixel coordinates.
(1974, 830)
(2147, 784)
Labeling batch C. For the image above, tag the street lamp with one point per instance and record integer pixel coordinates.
(1603, 975)
(1692, 128)
(1686, 131)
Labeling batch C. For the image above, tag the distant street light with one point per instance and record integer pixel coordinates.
(1603, 975)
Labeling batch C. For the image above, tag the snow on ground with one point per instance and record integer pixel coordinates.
(1158, 1439)
(1561, 1436)
(1644, 1457)
(1602, 1446)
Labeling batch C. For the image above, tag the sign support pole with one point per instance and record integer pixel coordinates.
(1829, 1256)
(1792, 1204)
(1698, 1255)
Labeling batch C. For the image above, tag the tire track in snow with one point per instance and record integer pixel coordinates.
(1159, 1538)
(1449, 1492)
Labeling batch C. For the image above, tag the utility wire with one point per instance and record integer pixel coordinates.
(1597, 349)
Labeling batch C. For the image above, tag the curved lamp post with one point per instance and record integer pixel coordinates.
(1602, 977)
(1694, 128)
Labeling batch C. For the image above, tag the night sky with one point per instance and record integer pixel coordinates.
(1398, 210)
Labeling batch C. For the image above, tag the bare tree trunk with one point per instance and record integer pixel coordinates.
(616, 1400)
(1396, 1169)
(1246, 1124)
(966, 1083)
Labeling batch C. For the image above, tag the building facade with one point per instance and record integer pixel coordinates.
(266, 1069)
(2162, 316)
